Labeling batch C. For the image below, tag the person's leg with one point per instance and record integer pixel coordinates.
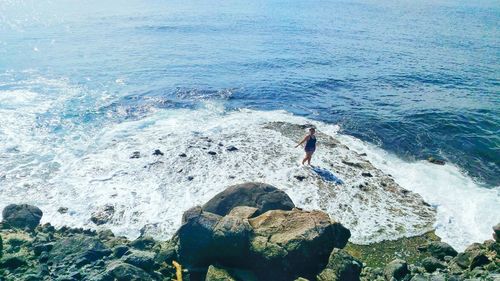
(305, 159)
(308, 157)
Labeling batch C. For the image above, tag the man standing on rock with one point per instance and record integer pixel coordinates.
(310, 140)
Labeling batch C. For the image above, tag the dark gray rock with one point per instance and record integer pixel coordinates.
(431, 264)
(135, 155)
(62, 210)
(231, 148)
(22, 216)
(167, 252)
(462, 259)
(436, 161)
(126, 272)
(42, 247)
(397, 269)
(262, 196)
(120, 250)
(300, 178)
(13, 262)
(103, 215)
(343, 266)
(206, 238)
(157, 152)
(496, 233)
(141, 259)
(143, 243)
(182, 155)
(440, 249)
(479, 259)
(78, 248)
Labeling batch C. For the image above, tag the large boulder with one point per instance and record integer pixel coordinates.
(341, 267)
(255, 227)
(22, 216)
(262, 196)
(277, 245)
(288, 244)
(206, 238)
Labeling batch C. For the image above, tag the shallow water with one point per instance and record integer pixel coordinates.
(83, 85)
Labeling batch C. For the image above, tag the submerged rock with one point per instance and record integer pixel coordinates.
(436, 161)
(300, 178)
(135, 155)
(157, 152)
(21, 216)
(262, 196)
(103, 215)
(231, 148)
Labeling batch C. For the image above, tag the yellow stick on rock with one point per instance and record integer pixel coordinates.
(178, 270)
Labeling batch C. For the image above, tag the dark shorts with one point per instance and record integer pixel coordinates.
(310, 150)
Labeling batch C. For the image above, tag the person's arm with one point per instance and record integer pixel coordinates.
(306, 138)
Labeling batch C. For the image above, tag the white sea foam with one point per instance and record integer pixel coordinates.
(85, 169)
(465, 211)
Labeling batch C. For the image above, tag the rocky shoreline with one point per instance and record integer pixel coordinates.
(250, 231)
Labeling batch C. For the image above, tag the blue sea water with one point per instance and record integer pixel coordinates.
(415, 78)
(418, 78)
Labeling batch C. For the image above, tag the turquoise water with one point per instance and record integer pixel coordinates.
(417, 78)
(412, 79)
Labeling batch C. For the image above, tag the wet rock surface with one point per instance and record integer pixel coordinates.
(367, 193)
(103, 215)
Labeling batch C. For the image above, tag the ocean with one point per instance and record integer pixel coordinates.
(85, 84)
